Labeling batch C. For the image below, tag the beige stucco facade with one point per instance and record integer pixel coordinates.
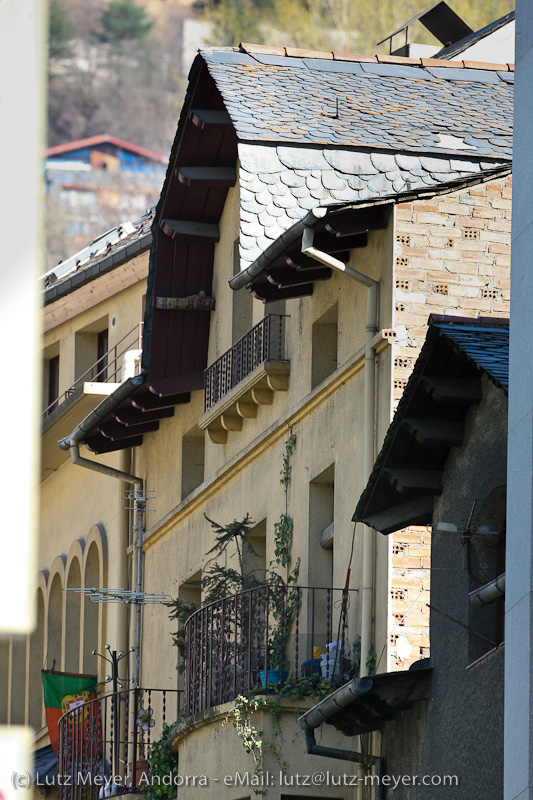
(424, 263)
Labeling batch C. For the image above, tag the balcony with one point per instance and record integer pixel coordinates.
(260, 636)
(102, 746)
(107, 370)
(245, 377)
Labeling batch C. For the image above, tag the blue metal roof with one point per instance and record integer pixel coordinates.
(484, 344)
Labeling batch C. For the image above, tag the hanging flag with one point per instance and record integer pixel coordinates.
(64, 691)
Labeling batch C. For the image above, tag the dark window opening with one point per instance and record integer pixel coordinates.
(101, 355)
(53, 382)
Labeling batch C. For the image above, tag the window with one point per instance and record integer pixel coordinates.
(324, 346)
(192, 461)
(102, 347)
(321, 533)
(53, 382)
(91, 347)
(241, 321)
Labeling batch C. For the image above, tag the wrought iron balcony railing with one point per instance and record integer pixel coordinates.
(108, 368)
(264, 342)
(261, 636)
(103, 744)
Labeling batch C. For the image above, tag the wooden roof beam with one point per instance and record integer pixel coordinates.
(456, 391)
(116, 431)
(149, 402)
(354, 222)
(440, 432)
(207, 116)
(214, 176)
(291, 277)
(133, 416)
(184, 229)
(414, 512)
(97, 444)
(421, 481)
(332, 244)
(266, 293)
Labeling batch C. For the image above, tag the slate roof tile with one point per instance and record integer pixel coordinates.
(295, 100)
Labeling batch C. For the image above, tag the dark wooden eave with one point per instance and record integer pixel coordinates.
(429, 422)
(124, 425)
(293, 274)
(202, 169)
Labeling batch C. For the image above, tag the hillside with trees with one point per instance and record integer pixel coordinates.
(116, 66)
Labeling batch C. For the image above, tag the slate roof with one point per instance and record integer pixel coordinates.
(322, 129)
(399, 106)
(485, 344)
(455, 348)
(280, 185)
(459, 47)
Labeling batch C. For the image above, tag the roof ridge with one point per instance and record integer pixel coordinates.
(334, 55)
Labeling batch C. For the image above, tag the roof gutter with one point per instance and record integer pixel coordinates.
(314, 216)
(72, 442)
(277, 248)
(322, 712)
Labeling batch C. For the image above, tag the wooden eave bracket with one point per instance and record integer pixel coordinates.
(400, 516)
(219, 176)
(457, 391)
(182, 229)
(194, 302)
(206, 116)
(421, 481)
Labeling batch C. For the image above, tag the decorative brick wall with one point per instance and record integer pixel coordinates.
(410, 584)
(452, 256)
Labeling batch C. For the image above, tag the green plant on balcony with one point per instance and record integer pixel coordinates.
(218, 580)
(163, 768)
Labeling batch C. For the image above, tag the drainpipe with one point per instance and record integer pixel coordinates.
(72, 443)
(367, 593)
(323, 711)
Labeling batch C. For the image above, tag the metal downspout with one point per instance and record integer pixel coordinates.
(323, 711)
(315, 749)
(72, 443)
(367, 593)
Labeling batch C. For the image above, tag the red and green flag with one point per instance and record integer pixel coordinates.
(64, 691)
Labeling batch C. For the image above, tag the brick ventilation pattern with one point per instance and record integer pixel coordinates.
(411, 553)
(402, 285)
(453, 256)
(403, 238)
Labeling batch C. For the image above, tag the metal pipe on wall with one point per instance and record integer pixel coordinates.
(367, 593)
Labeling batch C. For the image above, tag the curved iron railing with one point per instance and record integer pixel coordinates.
(102, 746)
(263, 635)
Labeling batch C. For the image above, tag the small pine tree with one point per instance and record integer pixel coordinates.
(60, 32)
(123, 20)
